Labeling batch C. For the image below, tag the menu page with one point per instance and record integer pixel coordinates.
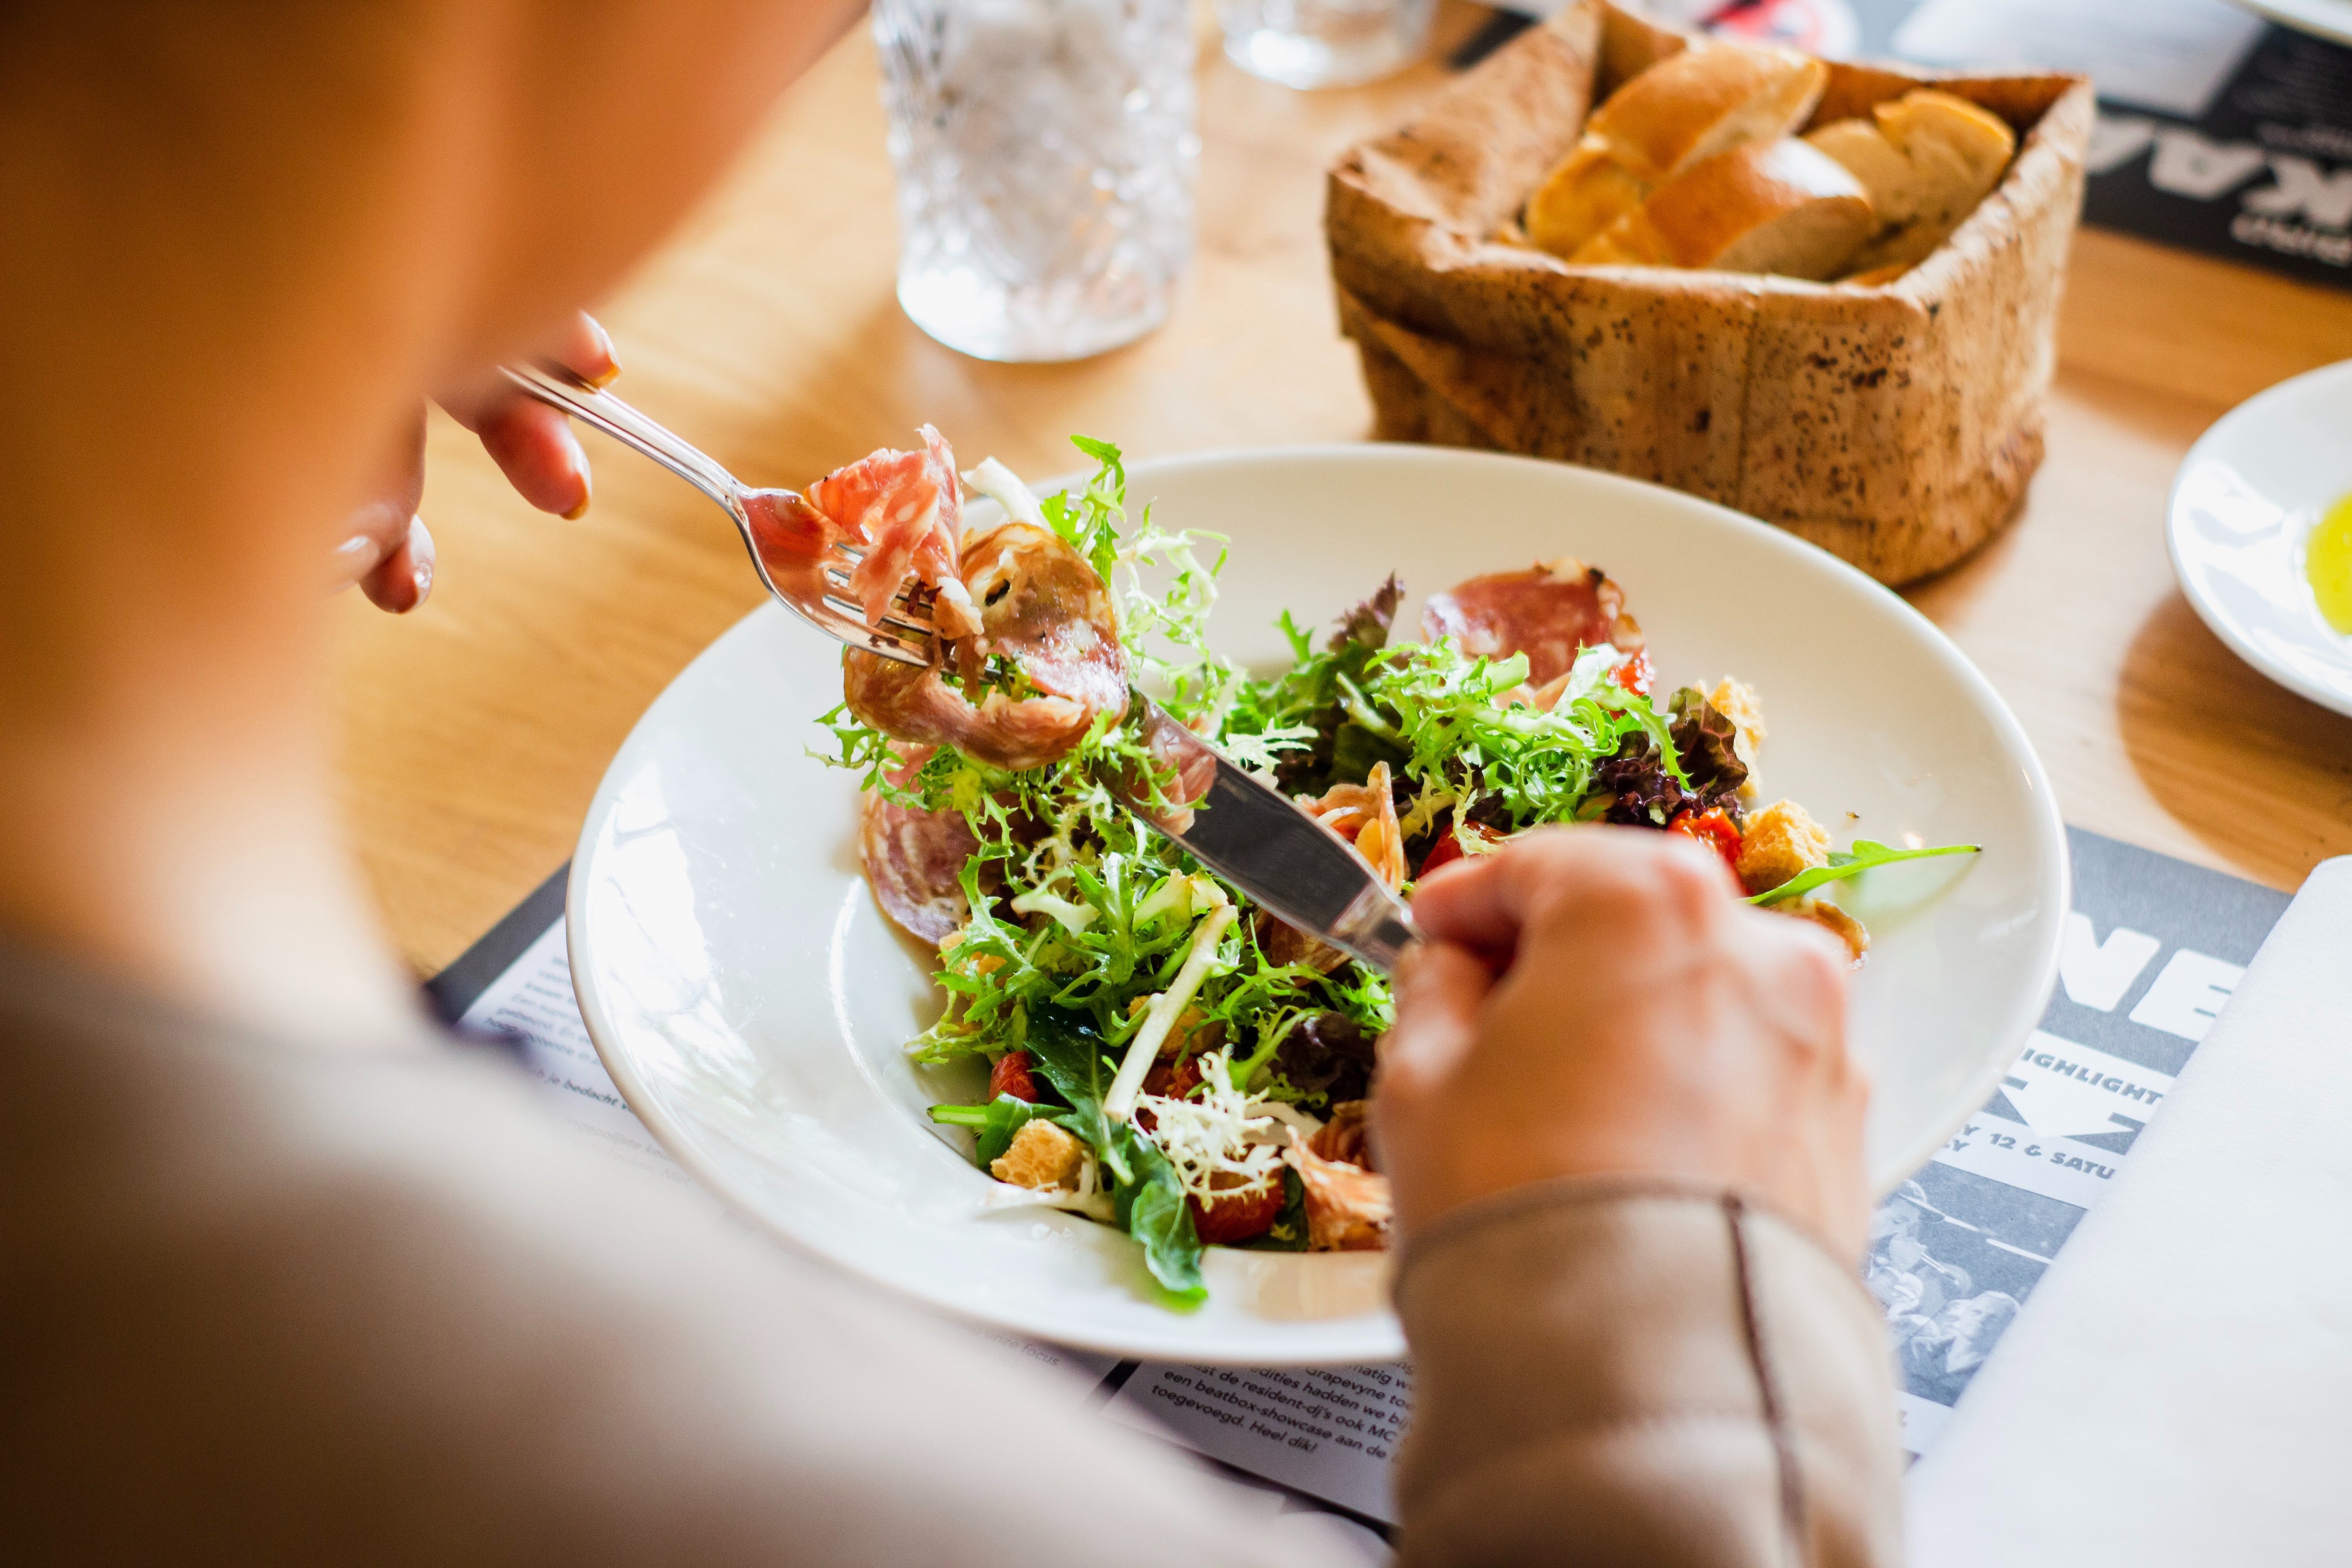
(2153, 948)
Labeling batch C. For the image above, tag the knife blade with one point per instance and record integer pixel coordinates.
(1254, 836)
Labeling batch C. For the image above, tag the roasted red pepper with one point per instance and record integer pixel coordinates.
(1011, 1074)
(1237, 1215)
(1714, 829)
(1446, 848)
(1635, 673)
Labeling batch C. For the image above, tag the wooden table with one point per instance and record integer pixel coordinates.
(472, 735)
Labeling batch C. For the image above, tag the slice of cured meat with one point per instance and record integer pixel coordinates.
(912, 860)
(903, 510)
(1347, 1207)
(1043, 612)
(906, 509)
(1547, 613)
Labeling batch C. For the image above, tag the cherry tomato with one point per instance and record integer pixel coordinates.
(1237, 1215)
(1635, 673)
(1011, 1074)
(1714, 829)
(1446, 848)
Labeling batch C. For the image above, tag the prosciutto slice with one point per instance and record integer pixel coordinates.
(903, 510)
(1041, 608)
(1547, 613)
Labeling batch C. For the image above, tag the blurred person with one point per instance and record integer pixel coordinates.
(284, 1278)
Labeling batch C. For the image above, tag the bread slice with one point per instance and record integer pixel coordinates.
(1685, 110)
(1927, 159)
(1692, 106)
(1587, 193)
(1783, 208)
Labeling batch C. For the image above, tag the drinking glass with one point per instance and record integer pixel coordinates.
(1325, 43)
(1045, 151)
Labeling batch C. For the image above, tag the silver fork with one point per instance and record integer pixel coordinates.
(905, 634)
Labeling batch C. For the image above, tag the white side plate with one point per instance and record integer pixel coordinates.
(751, 1000)
(2245, 500)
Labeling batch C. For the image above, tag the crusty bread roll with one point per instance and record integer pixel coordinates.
(1779, 207)
(1680, 112)
(1927, 159)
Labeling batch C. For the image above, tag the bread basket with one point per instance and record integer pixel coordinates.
(1895, 424)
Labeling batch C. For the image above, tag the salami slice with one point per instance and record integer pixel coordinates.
(1042, 608)
(913, 859)
(1547, 613)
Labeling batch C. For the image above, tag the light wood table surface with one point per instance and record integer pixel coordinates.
(472, 734)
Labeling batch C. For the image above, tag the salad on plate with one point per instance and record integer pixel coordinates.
(1161, 1055)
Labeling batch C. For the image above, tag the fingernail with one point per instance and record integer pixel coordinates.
(587, 485)
(422, 553)
(612, 361)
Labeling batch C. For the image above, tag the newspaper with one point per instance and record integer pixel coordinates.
(2153, 948)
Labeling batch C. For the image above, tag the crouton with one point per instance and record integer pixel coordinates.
(1042, 1155)
(1737, 700)
(1777, 843)
(1839, 923)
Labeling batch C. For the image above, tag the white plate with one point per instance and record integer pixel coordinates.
(750, 1002)
(2245, 502)
(2328, 18)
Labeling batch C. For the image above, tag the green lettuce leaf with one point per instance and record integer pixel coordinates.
(1852, 863)
(994, 1124)
(1146, 1196)
(1069, 1050)
(1151, 1208)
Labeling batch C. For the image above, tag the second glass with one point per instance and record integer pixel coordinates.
(1325, 43)
(1045, 151)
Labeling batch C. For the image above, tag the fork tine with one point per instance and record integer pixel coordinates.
(857, 611)
(916, 608)
(851, 629)
(907, 596)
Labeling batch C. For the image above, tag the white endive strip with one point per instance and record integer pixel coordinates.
(1002, 486)
(1142, 1050)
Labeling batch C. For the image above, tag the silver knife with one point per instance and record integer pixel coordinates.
(1254, 836)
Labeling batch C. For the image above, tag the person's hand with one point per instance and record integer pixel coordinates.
(1644, 1023)
(386, 548)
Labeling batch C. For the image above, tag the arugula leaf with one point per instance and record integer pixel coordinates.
(1069, 1050)
(1152, 1209)
(995, 1123)
(1844, 864)
(1289, 1232)
(1145, 1194)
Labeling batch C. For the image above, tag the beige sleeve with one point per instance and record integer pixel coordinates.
(1632, 1373)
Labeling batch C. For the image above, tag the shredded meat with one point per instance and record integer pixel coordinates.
(1365, 815)
(1547, 613)
(1347, 1207)
(1344, 1137)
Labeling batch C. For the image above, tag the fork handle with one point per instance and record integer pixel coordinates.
(560, 389)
